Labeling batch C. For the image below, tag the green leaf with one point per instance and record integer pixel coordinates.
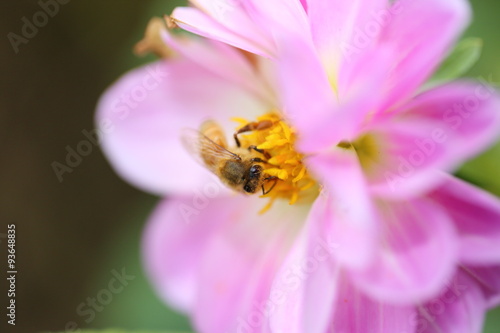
(483, 169)
(462, 58)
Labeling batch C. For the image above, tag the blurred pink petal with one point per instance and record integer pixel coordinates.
(488, 279)
(355, 103)
(219, 245)
(476, 215)
(355, 312)
(176, 227)
(460, 308)
(346, 208)
(418, 252)
(239, 265)
(421, 44)
(337, 27)
(437, 130)
(310, 101)
(306, 282)
(306, 93)
(292, 18)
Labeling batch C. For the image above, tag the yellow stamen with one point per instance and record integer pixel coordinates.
(368, 148)
(268, 205)
(242, 121)
(294, 182)
(300, 175)
(295, 197)
(308, 185)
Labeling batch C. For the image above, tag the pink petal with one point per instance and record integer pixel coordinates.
(279, 17)
(418, 253)
(356, 100)
(304, 4)
(214, 256)
(338, 25)
(460, 308)
(438, 130)
(421, 44)
(315, 106)
(307, 96)
(488, 278)
(173, 243)
(307, 281)
(223, 60)
(231, 26)
(321, 286)
(345, 207)
(476, 215)
(287, 290)
(239, 266)
(355, 312)
(142, 114)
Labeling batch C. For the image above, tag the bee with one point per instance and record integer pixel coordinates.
(238, 168)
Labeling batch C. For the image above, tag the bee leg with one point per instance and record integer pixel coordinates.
(253, 126)
(264, 192)
(263, 152)
(258, 160)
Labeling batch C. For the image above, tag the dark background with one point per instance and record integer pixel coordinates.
(72, 234)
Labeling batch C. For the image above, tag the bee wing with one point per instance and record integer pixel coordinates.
(204, 150)
(214, 132)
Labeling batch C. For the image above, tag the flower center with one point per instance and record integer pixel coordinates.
(277, 141)
(369, 151)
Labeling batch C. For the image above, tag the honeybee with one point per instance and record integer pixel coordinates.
(239, 168)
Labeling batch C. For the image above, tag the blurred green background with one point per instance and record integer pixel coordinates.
(71, 235)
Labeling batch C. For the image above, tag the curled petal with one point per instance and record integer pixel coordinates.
(227, 22)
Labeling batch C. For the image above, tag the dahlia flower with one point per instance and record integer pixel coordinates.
(364, 230)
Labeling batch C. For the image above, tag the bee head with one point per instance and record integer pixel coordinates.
(253, 175)
(254, 172)
(249, 188)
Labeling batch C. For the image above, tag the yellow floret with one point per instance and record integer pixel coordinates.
(294, 182)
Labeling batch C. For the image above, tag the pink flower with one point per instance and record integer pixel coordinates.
(391, 234)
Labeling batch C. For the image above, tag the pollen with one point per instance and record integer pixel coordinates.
(282, 161)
